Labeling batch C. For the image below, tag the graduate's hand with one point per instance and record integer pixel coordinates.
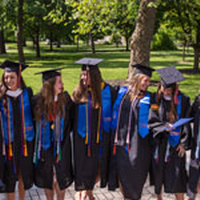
(169, 127)
(181, 150)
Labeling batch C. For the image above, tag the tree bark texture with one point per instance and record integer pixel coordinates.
(2, 43)
(142, 36)
(20, 32)
(196, 47)
(92, 43)
(37, 43)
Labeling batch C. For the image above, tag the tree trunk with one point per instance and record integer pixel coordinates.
(127, 43)
(77, 44)
(143, 34)
(196, 58)
(20, 32)
(24, 42)
(37, 43)
(184, 50)
(33, 43)
(2, 43)
(51, 40)
(58, 43)
(92, 43)
(197, 50)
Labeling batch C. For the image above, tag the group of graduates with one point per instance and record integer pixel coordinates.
(115, 135)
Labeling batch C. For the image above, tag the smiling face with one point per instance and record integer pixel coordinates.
(144, 84)
(167, 91)
(58, 86)
(11, 80)
(85, 78)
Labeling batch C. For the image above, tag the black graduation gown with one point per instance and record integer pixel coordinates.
(132, 167)
(87, 168)
(194, 169)
(18, 162)
(171, 173)
(47, 165)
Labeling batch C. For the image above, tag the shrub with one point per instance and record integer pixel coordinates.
(162, 41)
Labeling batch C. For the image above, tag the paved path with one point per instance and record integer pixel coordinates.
(100, 194)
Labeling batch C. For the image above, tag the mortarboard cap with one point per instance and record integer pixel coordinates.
(10, 66)
(89, 62)
(141, 69)
(169, 76)
(48, 74)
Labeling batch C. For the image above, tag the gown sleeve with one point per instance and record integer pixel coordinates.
(156, 125)
(186, 134)
(112, 175)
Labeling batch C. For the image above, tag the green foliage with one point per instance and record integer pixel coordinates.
(123, 17)
(114, 66)
(162, 41)
(91, 15)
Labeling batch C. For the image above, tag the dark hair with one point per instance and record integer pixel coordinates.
(172, 115)
(80, 94)
(45, 101)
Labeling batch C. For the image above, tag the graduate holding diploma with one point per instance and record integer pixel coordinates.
(170, 142)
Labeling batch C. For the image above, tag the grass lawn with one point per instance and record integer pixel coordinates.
(114, 66)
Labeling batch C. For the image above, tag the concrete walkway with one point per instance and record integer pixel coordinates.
(100, 194)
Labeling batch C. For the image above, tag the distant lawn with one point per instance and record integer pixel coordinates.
(114, 66)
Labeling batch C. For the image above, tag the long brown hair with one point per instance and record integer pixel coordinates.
(80, 94)
(172, 115)
(45, 102)
(134, 86)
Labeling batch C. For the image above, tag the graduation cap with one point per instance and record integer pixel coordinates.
(141, 69)
(169, 76)
(48, 74)
(10, 66)
(92, 63)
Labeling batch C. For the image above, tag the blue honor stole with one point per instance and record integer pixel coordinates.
(46, 133)
(143, 118)
(27, 130)
(106, 114)
(197, 156)
(174, 136)
(122, 91)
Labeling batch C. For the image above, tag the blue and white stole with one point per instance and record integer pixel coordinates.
(104, 118)
(46, 134)
(198, 137)
(174, 135)
(7, 123)
(122, 91)
(143, 115)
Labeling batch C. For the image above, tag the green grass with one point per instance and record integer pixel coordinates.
(115, 65)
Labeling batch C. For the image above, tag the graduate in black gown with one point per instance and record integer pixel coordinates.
(93, 98)
(132, 137)
(169, 160)
(17, 131)
(53, 117)
(194, 169)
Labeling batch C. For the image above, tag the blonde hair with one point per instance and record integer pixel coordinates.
(134, 86)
